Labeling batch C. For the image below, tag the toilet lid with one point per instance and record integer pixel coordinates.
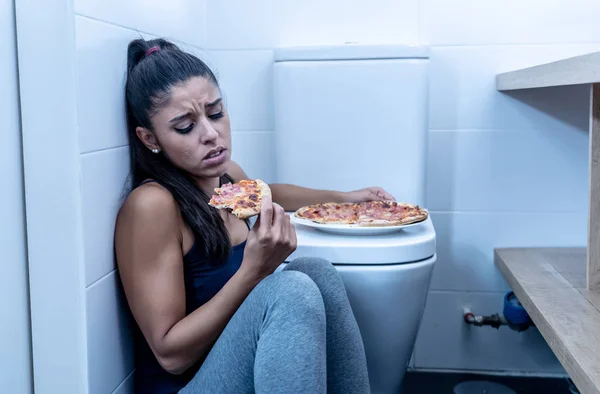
(411, 244)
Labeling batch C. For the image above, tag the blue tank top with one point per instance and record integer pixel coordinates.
(203, 279)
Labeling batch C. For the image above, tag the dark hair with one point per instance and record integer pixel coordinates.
(150, 79)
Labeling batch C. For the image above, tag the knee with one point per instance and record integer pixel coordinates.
(325, 275)
(312, 265)
(294, 290)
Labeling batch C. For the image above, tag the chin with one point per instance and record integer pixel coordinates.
(213, 172)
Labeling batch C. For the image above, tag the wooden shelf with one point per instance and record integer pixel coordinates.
(560, 287)
(550, 283)
(584, 69)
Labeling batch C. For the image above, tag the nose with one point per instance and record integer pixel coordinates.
(209, 133)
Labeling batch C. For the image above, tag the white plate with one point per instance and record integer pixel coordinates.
(351, 229)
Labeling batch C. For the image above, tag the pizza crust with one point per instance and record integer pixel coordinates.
(380, 223)
(422, 215)
(265, 190)
(245, 213)
(400, 222)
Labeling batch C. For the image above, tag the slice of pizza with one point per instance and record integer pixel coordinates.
(242, 198)
(389, 213)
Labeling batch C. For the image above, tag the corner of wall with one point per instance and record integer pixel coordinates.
(48, 95)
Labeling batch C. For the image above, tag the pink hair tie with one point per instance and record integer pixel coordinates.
(152, 50)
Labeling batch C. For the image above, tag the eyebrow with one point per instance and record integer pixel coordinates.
(217, 101)
(209, 105)
(179, 117)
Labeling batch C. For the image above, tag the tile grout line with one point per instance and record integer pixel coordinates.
(95, 282)
(480, 292)
(431, 45)
(124, 381)
(497, 212)
(498, 130)
(236, 131)
(141, 32)
(91, 152)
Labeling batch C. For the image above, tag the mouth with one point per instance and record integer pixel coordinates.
(215, 155)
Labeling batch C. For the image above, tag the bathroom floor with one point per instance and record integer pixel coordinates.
(443, 383)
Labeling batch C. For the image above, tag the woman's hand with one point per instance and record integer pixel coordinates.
(368, 194)
(271, 240)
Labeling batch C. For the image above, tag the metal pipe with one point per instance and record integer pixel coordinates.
(494, 320)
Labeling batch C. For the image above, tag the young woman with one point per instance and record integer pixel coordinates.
(211, 314)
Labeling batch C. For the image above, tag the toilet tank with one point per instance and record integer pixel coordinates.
(352, 116)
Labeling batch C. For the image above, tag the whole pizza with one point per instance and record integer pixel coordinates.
(365, 214)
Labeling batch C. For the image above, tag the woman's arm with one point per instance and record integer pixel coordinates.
(148, 245)
(292, 197)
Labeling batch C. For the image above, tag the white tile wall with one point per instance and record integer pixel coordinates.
(508, 170)
(466, 22)
(104, 175)
(313, 22)
(101, 69)
(446, 342)
(246, 78)
(110, 352)
(465, 243)
(254, 152)
(241, 24)
(238, 24)
(103, 31)
(463, 94)
(50, 141)
(179, 20)
(15, 330)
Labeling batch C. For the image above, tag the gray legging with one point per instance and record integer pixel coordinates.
(294, 333)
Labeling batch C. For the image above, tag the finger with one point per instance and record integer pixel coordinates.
(278, 218)
(387, 196)
(288, 231)
(288, 228)
(293, 239)
(377, 194)
(383, 195)
(266, 211)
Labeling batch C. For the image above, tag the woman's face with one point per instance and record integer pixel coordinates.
(192, 129)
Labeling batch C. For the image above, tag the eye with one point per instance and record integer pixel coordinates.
(216, 116)
(186, 129)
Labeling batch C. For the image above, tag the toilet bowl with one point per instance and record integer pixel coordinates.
(387, 280)
(348, 117)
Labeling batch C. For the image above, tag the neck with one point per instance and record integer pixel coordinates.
(208, 185)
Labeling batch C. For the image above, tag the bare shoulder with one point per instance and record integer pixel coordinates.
(149, 202)
(148, 219)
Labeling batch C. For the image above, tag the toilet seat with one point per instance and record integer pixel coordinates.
(409, 245)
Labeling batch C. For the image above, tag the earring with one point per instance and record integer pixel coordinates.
(155, 150)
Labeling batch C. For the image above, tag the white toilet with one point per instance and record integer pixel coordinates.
(352, 116)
